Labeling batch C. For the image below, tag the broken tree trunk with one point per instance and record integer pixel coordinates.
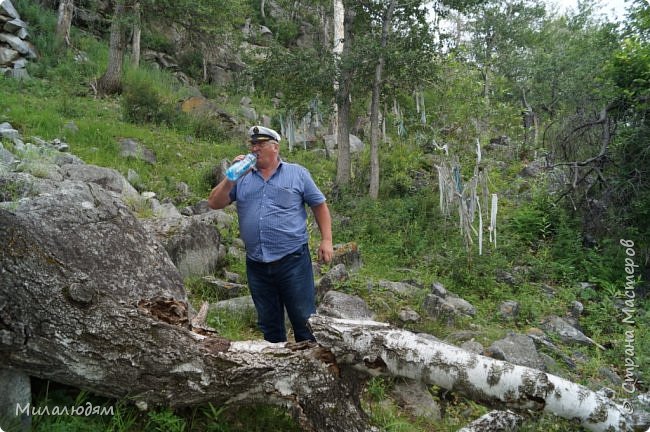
(380, 349)
(87, 299)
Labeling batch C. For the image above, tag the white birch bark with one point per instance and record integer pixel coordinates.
(502, 421)
(380, 349)
(337, 49)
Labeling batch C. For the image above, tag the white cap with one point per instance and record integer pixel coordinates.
(256, 132)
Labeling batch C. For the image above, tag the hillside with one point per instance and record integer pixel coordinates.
(554, 261)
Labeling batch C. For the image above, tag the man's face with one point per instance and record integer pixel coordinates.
(266, 152)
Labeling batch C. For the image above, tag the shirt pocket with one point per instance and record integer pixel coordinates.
(286, 198)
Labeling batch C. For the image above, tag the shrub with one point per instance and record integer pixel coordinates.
(143, 103)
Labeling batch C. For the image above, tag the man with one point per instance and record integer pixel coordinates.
(271, 200)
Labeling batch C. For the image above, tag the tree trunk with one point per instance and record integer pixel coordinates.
(381, 349)
(506, 421)
(530, 120)
(374, 105)
(111, 81)
(338, 18)
(64, 21)
(137, 32)
(343, 95)
(88, 309)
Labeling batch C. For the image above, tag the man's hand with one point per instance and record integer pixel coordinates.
(325, 251)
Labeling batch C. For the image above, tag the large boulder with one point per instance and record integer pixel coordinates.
(193, 245)
(341, 305)
(86, 243)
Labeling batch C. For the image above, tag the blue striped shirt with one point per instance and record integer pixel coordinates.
(272, 215)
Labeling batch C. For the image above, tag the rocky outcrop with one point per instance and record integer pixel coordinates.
(75, 206)
(15, 48)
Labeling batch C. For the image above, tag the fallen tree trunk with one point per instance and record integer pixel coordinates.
(87, 300)
(504, 421)
(378, 348)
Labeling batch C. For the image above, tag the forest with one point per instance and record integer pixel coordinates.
(486, 162)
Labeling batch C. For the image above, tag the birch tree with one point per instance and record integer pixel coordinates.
(402, 53)
(375, 103)
(380, 349)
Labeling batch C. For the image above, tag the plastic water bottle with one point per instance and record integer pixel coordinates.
(240, 167)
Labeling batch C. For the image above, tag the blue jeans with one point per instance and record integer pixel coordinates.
(285, 283)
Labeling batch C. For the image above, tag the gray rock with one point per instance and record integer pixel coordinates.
(610, 375)
(348, 254)
(441, 309)
(224, 289)
(131, 148)
(438, 289)
(107, 178)
(61, 159)
(18, 74)
(239, 305)
(192, 245)
(231, 276)
(340, 305)
(7, 55)
(133, 177)
(415, 398)
(473, 346)
(518, 349)
(84, 229)
(14, 25)
(356, 145)
(6, 157)
(248, 113)
(6, 8)
(462, 336)
(401, 288)
(218, 218)
(236, 253)
(567, 332)
(509, 309)
(60, 145)
(576, 309)
(22, 33)
(505, 277)
(20, 63)
(336, 274)
(461, 305)
(41, 169)
(16, 391)
(8, 132)
(408, 315)
(23, 47)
